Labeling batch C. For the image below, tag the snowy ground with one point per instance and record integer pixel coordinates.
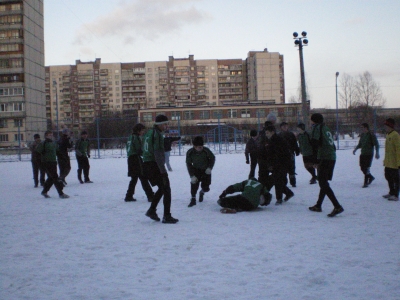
(96, 246)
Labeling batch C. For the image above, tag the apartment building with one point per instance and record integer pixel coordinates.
(88, 90)
(22, 85)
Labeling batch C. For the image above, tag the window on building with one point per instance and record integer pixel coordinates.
(245, 113)
(188, 115)
(232, 113)
(18, 123)
(18, 137)
(3, 123)
(217, 114)
(18, 106)
(204, 114)
(3, 137)
(260, 113)
(288, 111)
(175, 115)
(3, 107)
(147, 117)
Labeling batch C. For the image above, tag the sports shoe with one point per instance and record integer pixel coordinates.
(129, 199)
(88, 181)
(169, 169)
(61, 182)
(45, 195)
(315, 208)
(266, 199)
(313, 180)
(201, 196)
(80, 181)
(192, 202)
(371, 178)
(64, 196)
(36, 186)
(386, 196)
(365, 185)
(336, 211)
(393, 198)
(168, 219)
(288, 196)
(151, 213)
(278, 202)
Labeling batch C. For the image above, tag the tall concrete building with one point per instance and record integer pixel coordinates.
(22, 72)
(77, 94)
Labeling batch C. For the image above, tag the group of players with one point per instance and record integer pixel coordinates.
(148, 153)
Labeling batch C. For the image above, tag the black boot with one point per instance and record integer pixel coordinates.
(292, 179)
(365, 181)
(151, 213)
(192, 202)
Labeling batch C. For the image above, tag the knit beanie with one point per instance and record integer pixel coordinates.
(389, 122)
(36, 136)
(317, 118)
(301, 126)
(198, 141)
(253, 132)
(161, 119)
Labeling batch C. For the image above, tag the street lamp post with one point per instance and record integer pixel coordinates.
(337, 114)
(55, 86)
(299, 42)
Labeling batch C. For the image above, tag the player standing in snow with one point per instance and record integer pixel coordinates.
(308, 152)
(367, 143)
(392, 160)
(154, 169)
(82, 152)
(135, 162)
(251, 152)
(199, 162)
(48, 150)
(321, 138)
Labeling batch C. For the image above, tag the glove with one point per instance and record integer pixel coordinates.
(193, 180)
(354, 151)
(377, 156)
(247, 162)
(208, 171)
(223, 195)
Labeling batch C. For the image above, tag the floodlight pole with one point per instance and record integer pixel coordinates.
(337, 113)
(299, 41)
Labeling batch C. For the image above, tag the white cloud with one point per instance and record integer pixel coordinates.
(148, 19)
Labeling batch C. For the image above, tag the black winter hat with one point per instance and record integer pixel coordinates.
(253, 132)
(36, 136)
(317, 118)
(83, 132)
(198, 141)
(301, 126)
(283, 124)
(389, 122)
(161, 119)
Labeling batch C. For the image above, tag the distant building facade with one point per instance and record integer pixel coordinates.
(22, 73)
(82, 92)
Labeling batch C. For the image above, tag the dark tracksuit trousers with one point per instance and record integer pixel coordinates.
(325, 173)
(52, 178)
(83, 165)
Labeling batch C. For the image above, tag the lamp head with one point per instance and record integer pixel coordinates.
(304, 34)
(295, 34)
(297, 42)
(305, 41)
(337, 74)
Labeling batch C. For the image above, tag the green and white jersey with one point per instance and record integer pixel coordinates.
(153, 142)
(134, 145)
(306, 148)
(367, 143)
(251, 190)
(323, 136)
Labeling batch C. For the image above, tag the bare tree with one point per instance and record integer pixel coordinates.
(348, 90)
(368, 91)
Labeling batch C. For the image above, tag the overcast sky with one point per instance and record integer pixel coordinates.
(345, 36)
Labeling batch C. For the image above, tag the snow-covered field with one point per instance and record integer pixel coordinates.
(96, 246)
